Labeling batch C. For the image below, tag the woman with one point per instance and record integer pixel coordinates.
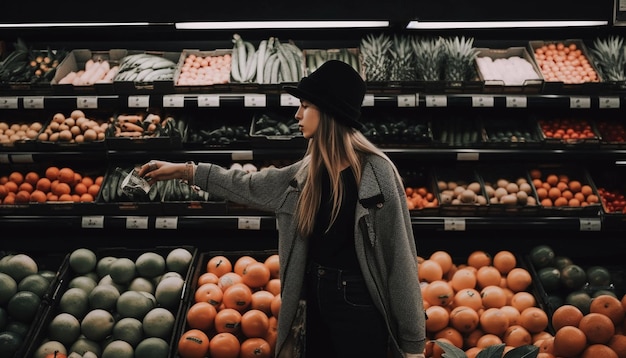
(346, 244)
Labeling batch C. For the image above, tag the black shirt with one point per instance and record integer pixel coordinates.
(335, 248)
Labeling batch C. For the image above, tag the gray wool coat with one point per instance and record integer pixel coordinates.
(384, 241)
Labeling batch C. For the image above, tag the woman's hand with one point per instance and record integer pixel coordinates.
(157, 170)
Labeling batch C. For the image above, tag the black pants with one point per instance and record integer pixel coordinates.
(341, 320)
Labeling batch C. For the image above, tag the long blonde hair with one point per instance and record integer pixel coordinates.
(333, 145)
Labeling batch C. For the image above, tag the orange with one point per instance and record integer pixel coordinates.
(255, 348)
(273, 286)
(224, 345)
(87, 181)
(43, 184)
(31, 178)
(504, 261)
(262, 300)
(86, 198)
(478, 259)
(534, 319)
(207, 277)
(201, 315)
(463, 278)
(618, 344)
(26, 186)
(210, 293)
(99, 179)
(11, 187)
(493, 296)
(444, 259)
(546, 345)
(597, 327)
(471, 339)
(437, 350)
(488, 276)
(452, 334)
(541, 335)
(272, 333)
(3, 191)
(472, 352)
(16, 177)
(241, 263)
(522, 300)
(609, 306)
(61, 188)
(487, 340)
(598, 350)
(438, 318)
(273, 264)
(438, 293)
(429, 271)
(255, 275)
(566, 315)
(80, 189)
(468, 297)
(38, 196)
(228, 320)
(219, 265)
(238, 297)
(66, 175)
(518, 279)
(494, 321)
(516, 336)
(569, 341)
(52, 173)
(512, 313)
(254, 323)
(464, 319)
(275, 305)
(193, 344)
(94, 189)
(22, 196)
(65, 197)
(228, 279)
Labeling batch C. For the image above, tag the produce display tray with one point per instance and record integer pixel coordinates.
(94, 117)
(218, 128)
(203, 86)
(67, 274)
(313, 58)
(397, 130)
(275, 130)
(520, 181)
(512, 132)
(572, 132)
(449, 181)
(458, 131)
(159, 86)
(420, 183)
(611, 131)
(20, 121)
(611, 187)
(155, 130)
(528, 85)
(76, 61)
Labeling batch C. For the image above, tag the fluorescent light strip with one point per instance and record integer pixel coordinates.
(225, 25)
(73, 24)
(430, 25)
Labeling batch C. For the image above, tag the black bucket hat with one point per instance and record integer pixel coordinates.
(336, 88)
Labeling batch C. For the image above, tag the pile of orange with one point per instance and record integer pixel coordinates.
(558, 189)
(420, 197)
(235, 309)
(54, 184)
(478, 303)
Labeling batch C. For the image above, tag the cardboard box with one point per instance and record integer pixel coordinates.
(201, 85)
(76, 60)
(496, 81)
(123, 85)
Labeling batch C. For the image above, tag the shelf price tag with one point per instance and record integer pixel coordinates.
(288, 100)
(580, 102)
(590, 224)
(368, 100)
(239, 155)
(482, 101)
(516, 101)
(87, 102)
(436, 101)
(208, 100)
(166, 222)
(22, 158)
(137, 222)
(407, 100)
(249, 223)
(139, 101)
(467, 156)
(174, 101)
(33, 102)
(254, 100)
(608, 102)
(92, 222)
(4, 159)
(8, 102)
(454, 224)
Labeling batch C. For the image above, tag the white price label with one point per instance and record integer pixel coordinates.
(137, 222)
(436, 101)
(580, 102)
(8, 102)
(209, 100)
(407, 100)
(482, 101)
(33, 102)
(249, 223)
(288, 100)
(92, 222)
(368, 100)
(608, 102)
(139, 101)
(254, 100)
(174, 101)
(516, 101)
(22, 158)
(467, 156)
(590, 224)
(166, 222)
(454, 224)
(238, 155)
(87, 102)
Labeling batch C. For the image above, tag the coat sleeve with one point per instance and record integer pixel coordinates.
(263, 189)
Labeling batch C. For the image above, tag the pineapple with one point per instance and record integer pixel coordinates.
(375, 51)
(459, 58)
(609, 56)
(429, 58)
(402, 59)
